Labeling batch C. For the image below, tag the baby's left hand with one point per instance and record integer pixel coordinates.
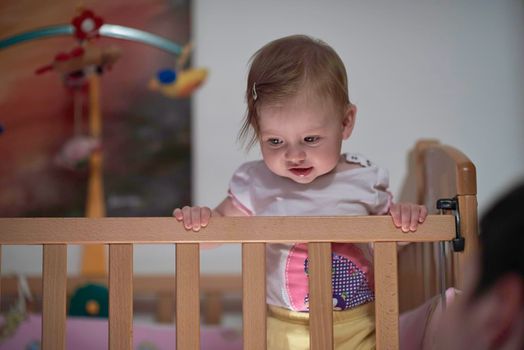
(407, 216)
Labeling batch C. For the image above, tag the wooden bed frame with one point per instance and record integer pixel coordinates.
(439, 172)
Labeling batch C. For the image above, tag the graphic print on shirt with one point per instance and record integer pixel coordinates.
(351, 277)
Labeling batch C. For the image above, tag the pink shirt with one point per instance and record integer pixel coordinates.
(358, 191)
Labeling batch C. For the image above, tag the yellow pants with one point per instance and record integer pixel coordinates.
(352, 329)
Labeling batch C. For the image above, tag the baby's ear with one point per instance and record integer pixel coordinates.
(348, 122)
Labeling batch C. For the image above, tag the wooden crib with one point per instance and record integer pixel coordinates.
(439, 172)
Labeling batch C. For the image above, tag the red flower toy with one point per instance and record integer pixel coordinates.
(87, 25)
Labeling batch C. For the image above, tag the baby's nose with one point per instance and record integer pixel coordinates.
(295, 155)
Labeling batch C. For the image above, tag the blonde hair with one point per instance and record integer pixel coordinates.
(283, 68)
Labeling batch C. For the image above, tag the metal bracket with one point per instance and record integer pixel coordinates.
(458, 242)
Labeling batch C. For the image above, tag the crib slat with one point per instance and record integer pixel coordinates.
(54, 296)
(120, 296)
(187, 296)
(386, 293)
(320, 296)
(254, 295)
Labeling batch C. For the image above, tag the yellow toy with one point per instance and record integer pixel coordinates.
(179, 83)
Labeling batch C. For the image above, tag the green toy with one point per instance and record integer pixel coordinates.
(90, 300)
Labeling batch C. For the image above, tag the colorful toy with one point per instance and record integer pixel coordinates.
(87, 25)
(91, 300)
(75, 153)
(77, 63)
(85, 58)
(179, 82)
(178, 85)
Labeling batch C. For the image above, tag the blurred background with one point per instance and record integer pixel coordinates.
(146, 137)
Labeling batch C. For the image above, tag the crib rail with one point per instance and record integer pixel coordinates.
(360, 229)
(253, 233)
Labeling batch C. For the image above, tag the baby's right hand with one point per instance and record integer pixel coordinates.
(193, 217)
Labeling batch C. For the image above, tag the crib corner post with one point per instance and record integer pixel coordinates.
(470, 231)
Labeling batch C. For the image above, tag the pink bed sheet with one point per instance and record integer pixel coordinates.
(91, 333)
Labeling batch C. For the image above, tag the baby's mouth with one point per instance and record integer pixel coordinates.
(301, 171)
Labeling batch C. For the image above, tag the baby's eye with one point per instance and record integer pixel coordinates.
(274, 141)
(311, 139)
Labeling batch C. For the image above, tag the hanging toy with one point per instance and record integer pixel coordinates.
(179, 82)
(75, 64)
(87, 25)
(85, 58)
(180, 85)
(75, 153)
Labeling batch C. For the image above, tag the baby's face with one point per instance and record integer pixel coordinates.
(301, 139)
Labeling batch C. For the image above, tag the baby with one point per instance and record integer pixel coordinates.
(299, 113)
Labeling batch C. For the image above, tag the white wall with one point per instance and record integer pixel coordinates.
(451, 70)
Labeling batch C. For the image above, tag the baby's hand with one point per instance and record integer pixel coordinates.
(193, 217)
(407, 216)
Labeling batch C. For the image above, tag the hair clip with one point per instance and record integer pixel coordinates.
(254, 91)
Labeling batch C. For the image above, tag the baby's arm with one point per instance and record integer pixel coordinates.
(194, 218)
(407, 216)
